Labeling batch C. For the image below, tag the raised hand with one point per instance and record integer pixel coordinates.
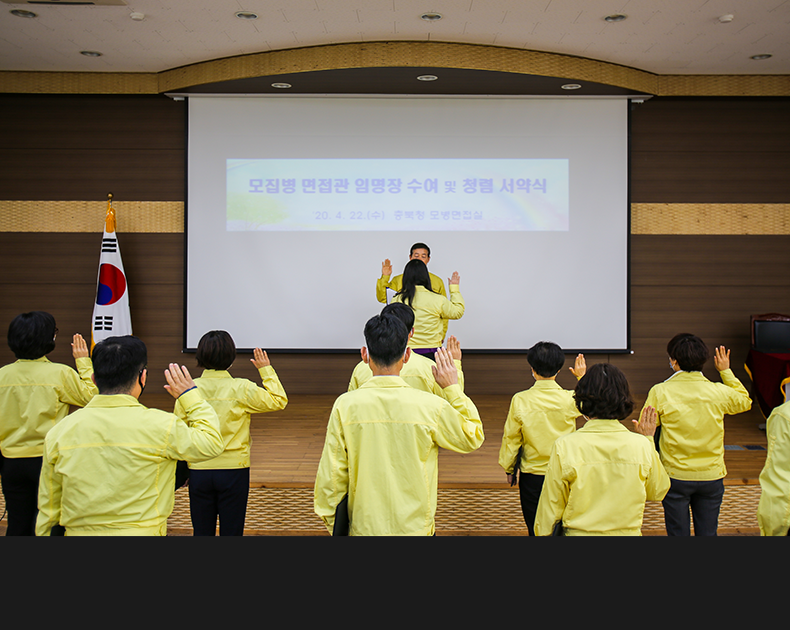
(454, 348)
(456, 279)
(444, 371)
(721, 358)
(386, 268)
(579, 368)
(79, 348)
(260, 358)
(646, 425)
(178, 380)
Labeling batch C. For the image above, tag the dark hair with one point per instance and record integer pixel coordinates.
(415, 274)
(118, 363)
(402, 312)
(420, 246)
(32, 335)
(386, 337)
(546, 358)
(689, 351)
(603, 393)
(216, 350)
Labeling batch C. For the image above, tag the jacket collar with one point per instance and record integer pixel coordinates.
(376, 382)
(114, 400)
(549, 384)
(215, 374)
(601, 426)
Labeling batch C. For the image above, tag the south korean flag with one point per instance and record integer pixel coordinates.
(111, 315)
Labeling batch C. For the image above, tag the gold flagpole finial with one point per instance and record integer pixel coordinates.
(110, 219)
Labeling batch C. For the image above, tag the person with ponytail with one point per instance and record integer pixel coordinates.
(431, 310)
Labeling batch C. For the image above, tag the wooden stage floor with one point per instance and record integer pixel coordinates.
(287, 445)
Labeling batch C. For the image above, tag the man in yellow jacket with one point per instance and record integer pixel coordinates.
(418, 251)
(418, 372)
(382, 440)
(109, 469)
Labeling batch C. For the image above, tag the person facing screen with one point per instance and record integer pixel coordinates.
(35, 395)
(431, 310)
(220, 487)
(600, 476)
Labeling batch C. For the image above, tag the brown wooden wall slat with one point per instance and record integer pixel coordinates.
(82, 147)
(696, 150)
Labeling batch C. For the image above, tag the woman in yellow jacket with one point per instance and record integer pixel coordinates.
(220, 486)
(431, 310)
(35, 395)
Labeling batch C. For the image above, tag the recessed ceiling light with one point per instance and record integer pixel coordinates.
(431, 17)
(615, 17)
(24, 14)
(91, 53)
(570, 86)
(137, 17)
(427, 77)
(726, 18)
(281, 86)
(760, 57)
(246, 15)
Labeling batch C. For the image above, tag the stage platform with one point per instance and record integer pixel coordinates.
(474, 498)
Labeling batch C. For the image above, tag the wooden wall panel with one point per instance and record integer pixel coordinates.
(82, 147)
(693, 150)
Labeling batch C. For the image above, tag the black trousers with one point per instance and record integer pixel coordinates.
(529, 488)
(702, 497)
(218, 493)
(20, 490)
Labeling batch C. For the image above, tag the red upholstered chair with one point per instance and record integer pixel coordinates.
(768, 363)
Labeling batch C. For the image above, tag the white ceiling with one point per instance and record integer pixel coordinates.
(659, 36)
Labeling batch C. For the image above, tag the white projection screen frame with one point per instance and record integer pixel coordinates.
(294, 202)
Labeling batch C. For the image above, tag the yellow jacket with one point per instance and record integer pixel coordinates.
(381, 450)
(34, 396)
(234, 399)
(598, 480)
(773, 511)
(109, 469)
(537, 417)
(431, 312)
(416, 372)
(691, 412)
(384, 283)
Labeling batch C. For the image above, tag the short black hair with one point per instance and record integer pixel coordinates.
(420, 246)
(216, 350)
(603, 393)
(689, 351)
(546, 358)
(32, 335)
(386, 337)
(402, 312)
(117, 363)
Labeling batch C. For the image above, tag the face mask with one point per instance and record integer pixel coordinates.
(140, 381)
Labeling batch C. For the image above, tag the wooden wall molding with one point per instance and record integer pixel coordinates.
(710, 218)
(153, 217)
(394, 54)
(157, 217)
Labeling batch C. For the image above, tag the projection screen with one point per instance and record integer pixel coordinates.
(294, 202)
